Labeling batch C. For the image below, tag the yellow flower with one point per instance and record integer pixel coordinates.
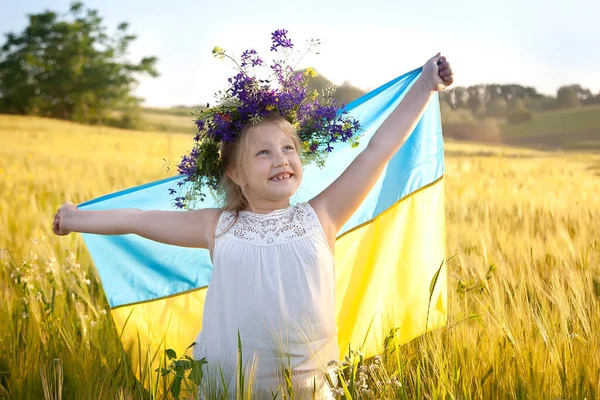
(310, 72)
(218, 52)
(270, 107)
(314, 94)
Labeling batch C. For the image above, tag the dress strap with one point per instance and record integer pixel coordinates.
(226, 221)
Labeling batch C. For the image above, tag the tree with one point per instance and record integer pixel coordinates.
(69, 67)
(571, 96)
(498, 108)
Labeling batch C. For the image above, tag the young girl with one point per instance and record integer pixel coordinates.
(273, 280)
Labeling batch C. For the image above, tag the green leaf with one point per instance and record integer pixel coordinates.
(190, 346)
(171, 354)
(196, 374)
(176, 386)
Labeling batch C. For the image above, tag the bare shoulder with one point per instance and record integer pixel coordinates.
(209, 215)
(209, 218)
(319, 206)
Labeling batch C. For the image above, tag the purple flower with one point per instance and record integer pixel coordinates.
(250, 57)
(279, 39)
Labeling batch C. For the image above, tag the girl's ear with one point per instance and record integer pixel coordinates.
(235, 176)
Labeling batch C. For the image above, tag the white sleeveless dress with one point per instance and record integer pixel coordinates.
(273, 281)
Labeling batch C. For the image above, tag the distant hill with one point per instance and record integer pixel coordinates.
(183, 111)
(568, 129)
(344, 94)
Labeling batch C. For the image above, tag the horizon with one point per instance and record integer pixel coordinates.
(532, 45)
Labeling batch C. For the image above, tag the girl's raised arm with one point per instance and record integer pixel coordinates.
(336, 204)
(180, 228)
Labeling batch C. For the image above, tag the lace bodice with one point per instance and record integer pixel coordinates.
(279, 226)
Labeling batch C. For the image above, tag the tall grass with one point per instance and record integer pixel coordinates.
(524, 283)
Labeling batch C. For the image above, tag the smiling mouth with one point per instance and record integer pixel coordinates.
(281, 177)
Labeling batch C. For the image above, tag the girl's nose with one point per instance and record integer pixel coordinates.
(281, 160)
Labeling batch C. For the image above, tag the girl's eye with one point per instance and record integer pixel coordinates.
(288, 148)
(262, 152)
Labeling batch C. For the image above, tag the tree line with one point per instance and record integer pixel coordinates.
(70, 67)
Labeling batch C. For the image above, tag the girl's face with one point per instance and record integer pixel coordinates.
(271, 169)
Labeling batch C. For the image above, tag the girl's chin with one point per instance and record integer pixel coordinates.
(283, 189)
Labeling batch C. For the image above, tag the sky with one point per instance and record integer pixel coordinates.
(543, 44)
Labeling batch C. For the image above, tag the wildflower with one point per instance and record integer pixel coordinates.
(367, 392)
(218, 53)
(24, 315)
(280, 39)
(395, 382)
(310, 72)
(250, 57)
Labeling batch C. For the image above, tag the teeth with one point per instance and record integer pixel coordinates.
(278, 178)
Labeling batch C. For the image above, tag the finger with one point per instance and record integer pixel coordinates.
(448, 80)
(441, 60)
(444, 65)
(446, 72)
(435, 58)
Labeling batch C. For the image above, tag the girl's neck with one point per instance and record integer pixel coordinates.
(266, 207)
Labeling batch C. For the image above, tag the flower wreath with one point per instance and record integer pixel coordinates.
(316, 117)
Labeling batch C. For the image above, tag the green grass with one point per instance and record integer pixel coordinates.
(556, 122)
(180, 110)
(172, 123)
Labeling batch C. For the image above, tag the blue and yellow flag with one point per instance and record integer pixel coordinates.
(389, 255)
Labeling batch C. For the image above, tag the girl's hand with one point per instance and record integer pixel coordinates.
(60, 218)
(437, 73)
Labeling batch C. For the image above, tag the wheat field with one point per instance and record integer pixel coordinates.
(523, 280)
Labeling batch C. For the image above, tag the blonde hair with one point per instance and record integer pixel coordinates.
(232, 156)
